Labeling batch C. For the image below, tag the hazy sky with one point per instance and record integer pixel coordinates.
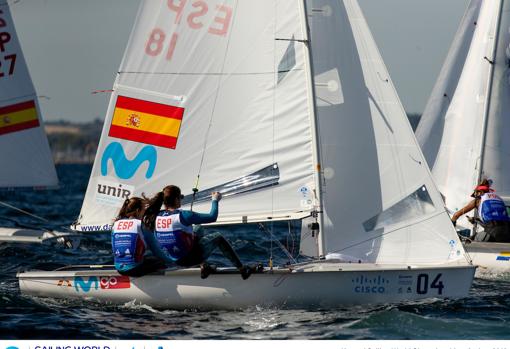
(73, 47)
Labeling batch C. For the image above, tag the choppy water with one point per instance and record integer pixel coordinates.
(485, 314)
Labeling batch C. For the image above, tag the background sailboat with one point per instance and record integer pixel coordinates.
(463, 131)
(26, 157)
(287, 108)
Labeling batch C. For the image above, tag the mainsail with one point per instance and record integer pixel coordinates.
(464, 118)
(286, 105)
(213, 94)
(26, 156)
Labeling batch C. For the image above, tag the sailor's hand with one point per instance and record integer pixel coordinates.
(454, 223)
(216, 196)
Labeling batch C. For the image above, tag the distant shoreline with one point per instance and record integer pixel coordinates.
(76, 143)
(73, 143)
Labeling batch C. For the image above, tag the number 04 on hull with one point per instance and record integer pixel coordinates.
(321, 284)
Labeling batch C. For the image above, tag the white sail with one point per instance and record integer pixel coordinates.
(430, 129)
(26, 155)
(496, 152)
(231, 79)
(459, 122)
(380, 203)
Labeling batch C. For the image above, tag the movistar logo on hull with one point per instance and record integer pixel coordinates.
(85, 285)
(125, 168)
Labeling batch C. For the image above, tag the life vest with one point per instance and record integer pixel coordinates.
(128, 244)
(492, 208)
(175, 238)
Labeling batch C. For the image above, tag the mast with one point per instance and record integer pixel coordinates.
(313, 123)
(489, 92)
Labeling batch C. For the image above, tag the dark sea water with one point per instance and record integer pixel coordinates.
(485, 314)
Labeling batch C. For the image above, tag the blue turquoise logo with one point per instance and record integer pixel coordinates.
(12, 348)
(125, 168)
(86, 286)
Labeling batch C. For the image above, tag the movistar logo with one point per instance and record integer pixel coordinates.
(12, 348)
(86, 286)
(125, 168)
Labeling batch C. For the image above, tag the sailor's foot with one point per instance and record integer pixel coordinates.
(206, 270)
(246, 271)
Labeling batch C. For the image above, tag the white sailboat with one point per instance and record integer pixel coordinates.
(463, 131)
(26, 156)
(287, 108)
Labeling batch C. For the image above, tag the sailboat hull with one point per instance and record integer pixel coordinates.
(492, 258)
(313, 285)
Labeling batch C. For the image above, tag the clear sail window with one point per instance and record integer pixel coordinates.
(263, 178)
(418, 203)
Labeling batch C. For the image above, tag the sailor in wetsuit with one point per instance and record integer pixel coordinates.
(169, 233)
(128, 244)
(492, 213)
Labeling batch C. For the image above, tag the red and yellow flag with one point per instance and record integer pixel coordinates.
(17, 117)
(146, 122)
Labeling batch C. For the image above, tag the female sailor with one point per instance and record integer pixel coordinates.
(128, 244)
(170, 233)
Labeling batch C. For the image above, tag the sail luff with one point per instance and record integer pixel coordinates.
(314, 125)
(485, 116)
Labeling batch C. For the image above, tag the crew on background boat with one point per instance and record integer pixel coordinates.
(492, 214)
(128, 243)
(170, 233)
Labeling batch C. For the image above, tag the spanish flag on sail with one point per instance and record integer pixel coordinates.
(146, 122)
(18, 117)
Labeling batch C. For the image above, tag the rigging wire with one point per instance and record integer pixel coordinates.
(278, 243)
(206, 138)
(42, 219)
(466, 255)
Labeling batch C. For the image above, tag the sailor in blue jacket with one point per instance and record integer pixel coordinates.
(128, 243)
(169, 233)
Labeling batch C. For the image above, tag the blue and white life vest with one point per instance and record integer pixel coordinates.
(492, 208)
(128, 244)
(175, 238)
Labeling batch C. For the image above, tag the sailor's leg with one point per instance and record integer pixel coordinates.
(501, 232)
(208, 243)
